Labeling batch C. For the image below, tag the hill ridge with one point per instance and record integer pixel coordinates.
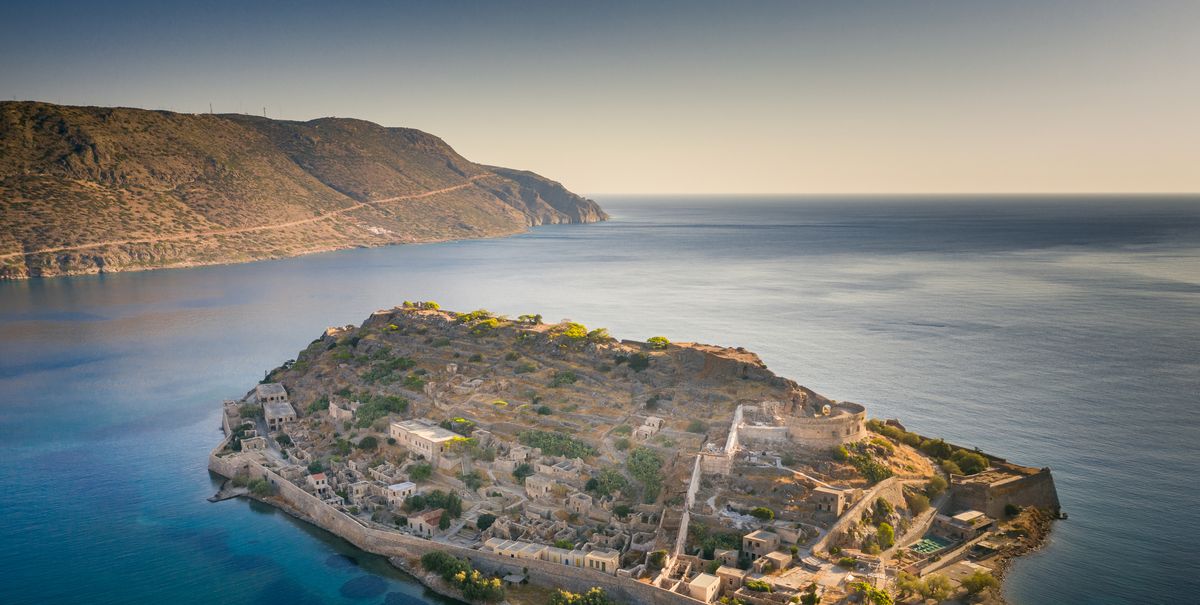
(97, 189)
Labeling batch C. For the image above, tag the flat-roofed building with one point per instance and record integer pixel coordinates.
(397, 493)
(422, 438)
(829, 500)
(539, 486)
(704, 587)
(760, 542)
(731, 577)
(270, 392)
(604, 560)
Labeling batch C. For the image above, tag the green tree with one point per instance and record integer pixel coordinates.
(658, 342)
(886, 535)
(936, 587)
(979, 582)
(594, 596)
(368, 443)
(485, 521)
(522, 471)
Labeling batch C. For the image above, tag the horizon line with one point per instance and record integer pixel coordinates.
(908, 193)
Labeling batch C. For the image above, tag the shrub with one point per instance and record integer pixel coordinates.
(936, 448)
(840, 453)
(522, 471)
(485, 521)
(475, 358)
(621, 443)
(935, 486)
(250, 411)
(870, 468)
(639, 361)
(969, 462)
(847, 562)
(315, 466)
(594, 596)
(951, 468)
(658, 342)
(757, 586)
(261, 488)
(657, 559)
(544, 410)
(763, 513)
(525, 368)
(368, 443)
(378, 406)
(1011, 510)
(556, 444)
(571, 331)
(622, 510)
(917, 503)
(646, 466)
(599, 335)
(697, 426)
(564, 378)
(608, 481)
(472, 480)
(414, 382)
(421, 471)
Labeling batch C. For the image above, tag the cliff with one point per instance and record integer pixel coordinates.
(94, 189)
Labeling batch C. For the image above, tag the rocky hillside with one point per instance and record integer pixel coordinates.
(94, 189)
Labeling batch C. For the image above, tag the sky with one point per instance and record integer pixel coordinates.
(1010, 96)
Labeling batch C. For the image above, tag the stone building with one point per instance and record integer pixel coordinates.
(274, 401)
(422, 437)
(397, 493)
(704, 587)
(829, 500)
(760, 542)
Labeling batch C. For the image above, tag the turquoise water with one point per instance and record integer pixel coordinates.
(1059, 332)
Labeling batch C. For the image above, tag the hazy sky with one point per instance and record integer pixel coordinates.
(760, 97)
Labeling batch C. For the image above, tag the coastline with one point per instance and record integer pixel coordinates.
(102, 269)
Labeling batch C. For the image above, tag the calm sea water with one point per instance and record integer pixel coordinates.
(1061, 332)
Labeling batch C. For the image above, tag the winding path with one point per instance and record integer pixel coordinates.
(320, 217)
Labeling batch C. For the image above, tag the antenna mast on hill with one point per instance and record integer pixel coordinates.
(210, 108)
(264, 111)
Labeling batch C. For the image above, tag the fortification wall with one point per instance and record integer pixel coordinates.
(394, 544)
(1036, 490)
(828, 431)
(890, 489)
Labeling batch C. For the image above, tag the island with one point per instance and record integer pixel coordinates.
(105, 189)
(504, 458)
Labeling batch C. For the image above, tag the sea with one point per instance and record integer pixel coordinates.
(1053, 331)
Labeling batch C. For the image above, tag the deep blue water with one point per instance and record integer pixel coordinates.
(1060, 331)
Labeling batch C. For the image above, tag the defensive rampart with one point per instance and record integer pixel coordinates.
(394, 544)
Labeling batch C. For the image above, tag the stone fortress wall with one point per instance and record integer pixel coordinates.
(844, 422)
(395, 544)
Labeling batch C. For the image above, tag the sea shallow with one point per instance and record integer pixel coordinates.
(1058, 331)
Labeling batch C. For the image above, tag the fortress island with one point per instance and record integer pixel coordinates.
(512, 459)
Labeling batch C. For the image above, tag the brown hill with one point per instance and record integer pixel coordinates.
(91, 189)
